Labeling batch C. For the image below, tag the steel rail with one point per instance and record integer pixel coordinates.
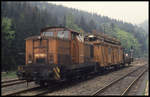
(133, 82)
(20, 91)
(49, 90)
(113, 82)
(11, 80)
(39, 93)
(14, 83)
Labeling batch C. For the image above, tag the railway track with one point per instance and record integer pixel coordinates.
(6, 81)
(11, 93)
(133, 82)
(34, 91)
(114, 88)
(11, 82)
(39, 91)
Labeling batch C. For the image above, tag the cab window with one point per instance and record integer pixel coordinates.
(63, 34)
(48, 33)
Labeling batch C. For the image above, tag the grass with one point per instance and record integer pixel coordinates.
(10, 74)
(145, 92)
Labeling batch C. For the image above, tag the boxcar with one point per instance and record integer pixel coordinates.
(107, 51)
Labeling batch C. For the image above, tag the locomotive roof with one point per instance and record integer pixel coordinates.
(104, 37)
(32, 37)
(59, 27)
(35, 37)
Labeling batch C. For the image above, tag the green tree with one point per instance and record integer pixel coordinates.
(92, 25)
(127, 40)
(8, 35)
(70, 24)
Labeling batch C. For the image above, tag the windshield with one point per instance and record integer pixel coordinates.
(47, 33)
(63, 34)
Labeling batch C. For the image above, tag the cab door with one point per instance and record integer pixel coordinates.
(74, 49)
(40, 51)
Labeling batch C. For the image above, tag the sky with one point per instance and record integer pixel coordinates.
(132, 12)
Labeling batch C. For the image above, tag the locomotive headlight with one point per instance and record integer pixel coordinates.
(29, 61)
(39, 37)
(91, 36)
(40, 55)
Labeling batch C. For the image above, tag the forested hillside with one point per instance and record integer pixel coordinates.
(23, 19)
(144, 25)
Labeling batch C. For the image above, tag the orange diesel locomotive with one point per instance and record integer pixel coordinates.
(60, 53)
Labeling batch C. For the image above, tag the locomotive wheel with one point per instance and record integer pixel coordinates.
(101, 70)
(84, 77)
(43, 83)
(20, 78)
